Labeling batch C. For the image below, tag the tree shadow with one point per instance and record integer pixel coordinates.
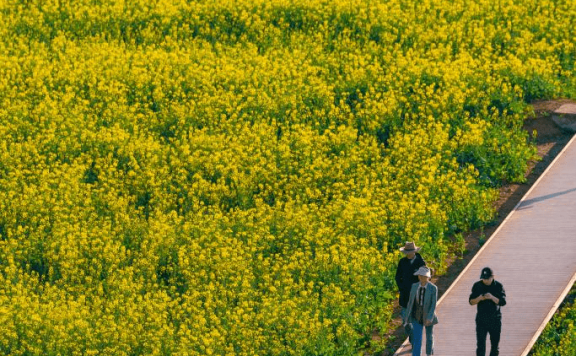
(526, 203)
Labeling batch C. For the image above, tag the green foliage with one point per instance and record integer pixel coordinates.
(559, 336)
(235, 177)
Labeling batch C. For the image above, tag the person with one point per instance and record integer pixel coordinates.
(405, 277)
(489, 295)
(421, 311)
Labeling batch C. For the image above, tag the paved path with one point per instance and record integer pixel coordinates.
(532, 253)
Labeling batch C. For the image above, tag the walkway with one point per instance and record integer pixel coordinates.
(532, 253)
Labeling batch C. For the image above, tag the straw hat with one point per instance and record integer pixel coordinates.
(409, 247)
(423, 271)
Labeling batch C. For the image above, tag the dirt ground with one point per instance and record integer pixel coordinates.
(550, 140)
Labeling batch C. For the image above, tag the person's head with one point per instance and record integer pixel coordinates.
(423, 278)
(487, 276)
(423, 274)
(410, 250)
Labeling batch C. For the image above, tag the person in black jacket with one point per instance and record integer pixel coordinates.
(405, 277)
(489, 295)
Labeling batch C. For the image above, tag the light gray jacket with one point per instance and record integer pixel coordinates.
(430, 298)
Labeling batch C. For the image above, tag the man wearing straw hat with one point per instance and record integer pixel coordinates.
(489, 295)
(405, 277)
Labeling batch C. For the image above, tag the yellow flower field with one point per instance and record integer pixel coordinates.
(235, 177)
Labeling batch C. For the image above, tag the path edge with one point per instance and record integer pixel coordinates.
(557, 158)
(549, 316)
(555, 307)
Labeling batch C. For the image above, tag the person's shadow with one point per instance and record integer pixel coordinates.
(526, 204)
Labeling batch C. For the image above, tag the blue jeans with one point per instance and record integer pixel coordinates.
(417, 339)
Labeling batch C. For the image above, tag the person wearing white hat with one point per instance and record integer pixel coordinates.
(421, 311)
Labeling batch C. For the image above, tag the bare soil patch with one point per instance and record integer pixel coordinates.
(550, 140)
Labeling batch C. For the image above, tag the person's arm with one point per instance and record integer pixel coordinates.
(474, 301)
(420, 261)
(430, 316)
(499, 298)
(502, 297)
(409, 306)
(475, 296)
(399, 275)
(491, 297)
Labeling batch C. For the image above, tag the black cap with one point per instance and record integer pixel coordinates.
(486, 273)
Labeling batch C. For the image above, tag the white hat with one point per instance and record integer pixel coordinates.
(423, 271)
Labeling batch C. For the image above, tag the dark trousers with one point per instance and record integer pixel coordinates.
(484, 326)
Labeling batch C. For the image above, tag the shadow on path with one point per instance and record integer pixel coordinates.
(526, 203)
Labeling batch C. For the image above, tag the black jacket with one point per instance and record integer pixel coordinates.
(405, 277)
(487, 308)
